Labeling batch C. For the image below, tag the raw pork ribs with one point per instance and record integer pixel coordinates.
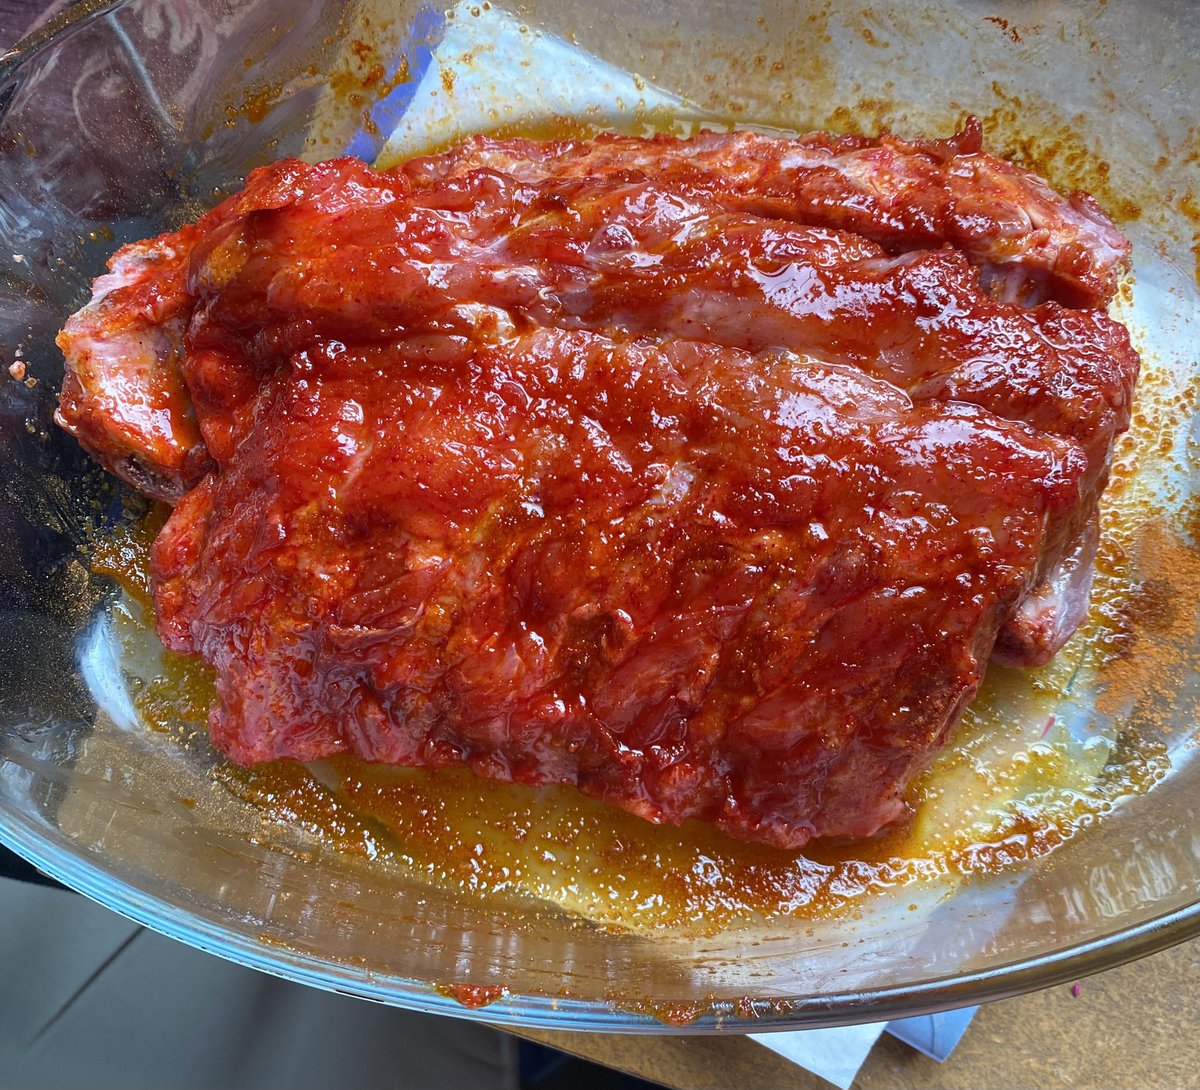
(704, 474)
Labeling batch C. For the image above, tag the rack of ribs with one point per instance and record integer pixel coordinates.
(706, 475)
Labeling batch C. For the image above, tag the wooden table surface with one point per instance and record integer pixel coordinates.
(1132, 1028)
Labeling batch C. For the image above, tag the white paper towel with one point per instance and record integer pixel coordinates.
(835, 1054)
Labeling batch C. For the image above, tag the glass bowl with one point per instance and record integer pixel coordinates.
(120, 118)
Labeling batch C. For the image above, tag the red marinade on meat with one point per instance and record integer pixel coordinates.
(706, 475)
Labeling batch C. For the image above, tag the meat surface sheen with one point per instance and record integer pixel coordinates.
(122, 396)
(635, 465)
(1033, 243)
